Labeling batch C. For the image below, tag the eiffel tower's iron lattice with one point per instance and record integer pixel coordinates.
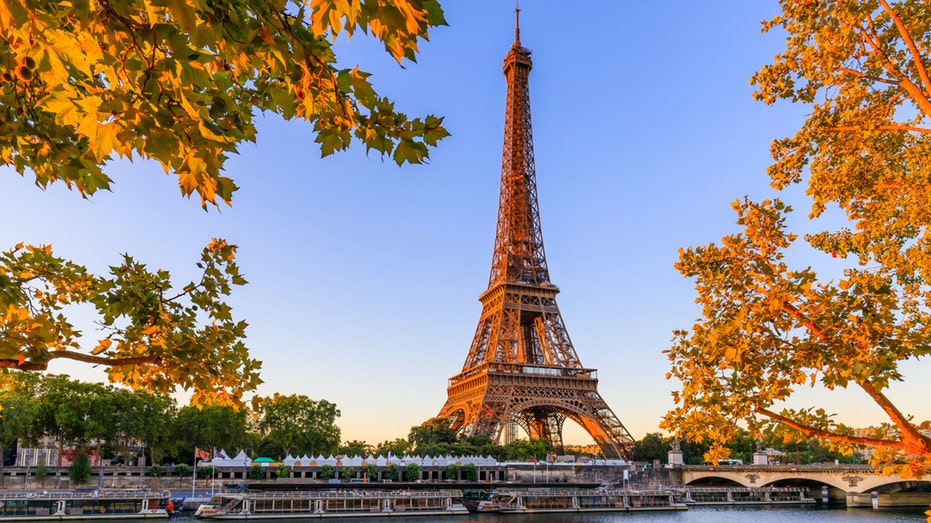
(522, 368)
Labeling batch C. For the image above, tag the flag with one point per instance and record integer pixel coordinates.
(201, 454)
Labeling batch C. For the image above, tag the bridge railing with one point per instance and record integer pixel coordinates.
(825, 467)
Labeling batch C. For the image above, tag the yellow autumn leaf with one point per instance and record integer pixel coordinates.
(102, 346)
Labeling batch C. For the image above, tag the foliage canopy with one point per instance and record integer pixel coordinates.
(767, 328)
(180, 81)
(155, 336)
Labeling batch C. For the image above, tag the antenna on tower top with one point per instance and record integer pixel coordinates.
(516, 23)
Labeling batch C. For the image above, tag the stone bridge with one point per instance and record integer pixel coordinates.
(854, 484)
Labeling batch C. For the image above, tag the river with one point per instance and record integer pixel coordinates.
(693, 515)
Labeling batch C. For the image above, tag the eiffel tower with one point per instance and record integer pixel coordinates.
(522, 370)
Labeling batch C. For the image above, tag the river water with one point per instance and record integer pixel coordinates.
(693, 515)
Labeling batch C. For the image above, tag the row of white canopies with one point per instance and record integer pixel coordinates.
(222, 459)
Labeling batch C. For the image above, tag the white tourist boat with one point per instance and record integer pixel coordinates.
(332, 503)
(86, 505)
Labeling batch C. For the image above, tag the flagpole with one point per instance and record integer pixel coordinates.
(194, 475)
(213, 472)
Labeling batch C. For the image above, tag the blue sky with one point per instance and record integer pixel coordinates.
(364, 277)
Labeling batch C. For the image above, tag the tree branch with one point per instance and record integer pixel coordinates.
(860, 74)
(910, 128)
(913, 441)
(910, 43)
(809, 324)
(78, 356)
(907, 85)
(828, 435)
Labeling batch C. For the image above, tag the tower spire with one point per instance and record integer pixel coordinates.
(516, 25)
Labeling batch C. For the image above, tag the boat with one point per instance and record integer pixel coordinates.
(332, 503)
(66, 505)
(746, 496)
(535, 500)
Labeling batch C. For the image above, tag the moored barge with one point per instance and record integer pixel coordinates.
(746, 496)
(68, 505)
(330, 504)
(534, 500)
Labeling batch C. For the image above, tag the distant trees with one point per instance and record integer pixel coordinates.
(396, 447)
(656, 446)
(651, 448)
(435, 432)
(119, 421)
(356, 448)
(77, 414)
(298, 424)
(211, 427)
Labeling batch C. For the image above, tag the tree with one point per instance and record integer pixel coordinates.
(41, 473)
(207, 471)
(282, 471)
(651, 448)
(257, 472)
(213, 426)
(298, 423)
(348, 473)
(327, 472)
(182, 470)
(356, 448)
(371, 471)
(74, 413)
(431, 432)
(470, 472)
(19, 407)
(155, 336)
(412, 472)
(146, 418)
(392, 472)
(397, 447)
(525, 449)
(768, 329)
(451, 472)
(80, 470)
(180, 82)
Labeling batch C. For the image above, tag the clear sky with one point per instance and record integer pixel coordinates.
(364, 277)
